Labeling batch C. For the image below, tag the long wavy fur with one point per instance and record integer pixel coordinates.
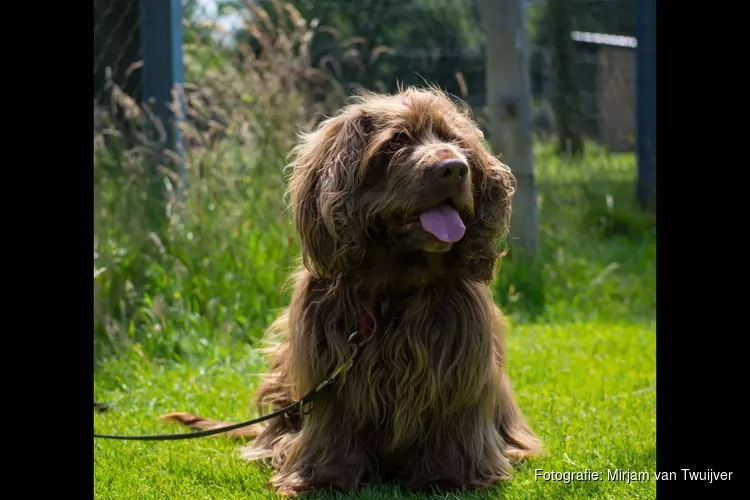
(429, 401)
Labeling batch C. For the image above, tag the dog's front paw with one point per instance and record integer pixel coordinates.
(290, 487)
(516, 455)
(287, 493)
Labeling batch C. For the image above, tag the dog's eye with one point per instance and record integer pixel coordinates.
(398, 141)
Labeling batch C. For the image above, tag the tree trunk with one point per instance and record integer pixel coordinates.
(567, 101)
(509, 104)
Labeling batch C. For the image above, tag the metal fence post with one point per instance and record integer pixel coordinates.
(646, 98)
(161, 38)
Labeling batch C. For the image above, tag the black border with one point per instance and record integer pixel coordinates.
(699, 362)
(53, 351)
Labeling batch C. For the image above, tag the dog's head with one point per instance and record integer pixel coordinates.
(399, 187)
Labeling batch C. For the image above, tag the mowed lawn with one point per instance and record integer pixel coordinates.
(582, 357)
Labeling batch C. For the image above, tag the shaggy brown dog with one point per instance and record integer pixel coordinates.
(396, 195)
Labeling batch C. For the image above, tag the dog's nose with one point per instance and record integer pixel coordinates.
(451, 171)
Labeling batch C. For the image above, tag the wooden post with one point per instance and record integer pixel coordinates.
(509, 103)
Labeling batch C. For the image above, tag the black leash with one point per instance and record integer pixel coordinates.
(298, 405)
(357, 339)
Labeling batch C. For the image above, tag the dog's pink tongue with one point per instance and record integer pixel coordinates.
(444, 223)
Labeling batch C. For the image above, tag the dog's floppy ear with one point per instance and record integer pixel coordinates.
(496, 192)
(325, 175)
(494, 186)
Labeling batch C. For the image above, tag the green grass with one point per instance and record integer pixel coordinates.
(177, 317)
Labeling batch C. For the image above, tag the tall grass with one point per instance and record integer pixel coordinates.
(175, 274)
(178, 265)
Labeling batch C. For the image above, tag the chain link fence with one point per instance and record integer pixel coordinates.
(117, 48)
(605, 85)
(602, 86)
